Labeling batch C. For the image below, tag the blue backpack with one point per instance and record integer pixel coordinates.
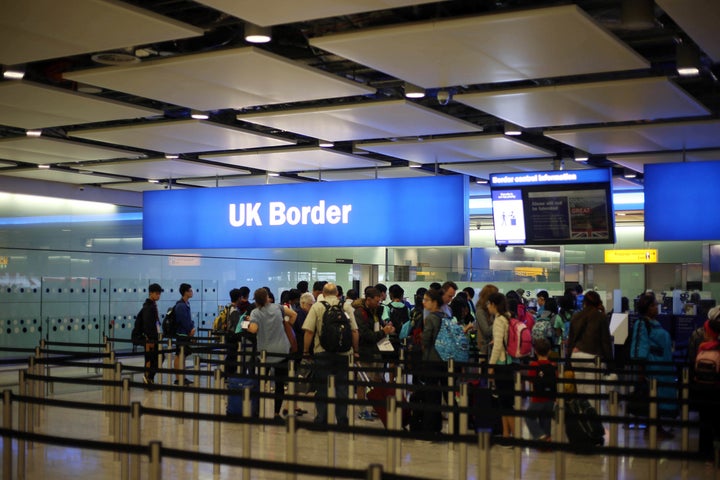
(452, 342)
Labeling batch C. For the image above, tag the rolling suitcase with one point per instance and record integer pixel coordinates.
(246, 378)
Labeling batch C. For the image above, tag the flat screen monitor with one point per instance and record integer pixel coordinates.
(553, 208)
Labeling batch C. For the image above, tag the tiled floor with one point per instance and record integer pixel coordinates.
(419, 458)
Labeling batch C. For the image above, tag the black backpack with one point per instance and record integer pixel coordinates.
(169, 323)
(138, 332)
(336, 333)
(545, 381)
(398, 316)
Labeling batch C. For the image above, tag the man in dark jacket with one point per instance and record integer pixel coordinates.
(150, 322)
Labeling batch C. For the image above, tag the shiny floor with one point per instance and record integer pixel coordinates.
(418, 458)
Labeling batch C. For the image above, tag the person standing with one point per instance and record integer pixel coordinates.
(483, 320)
(185, 329)
(266, 320)
(328, 363)
(151, 322)
(500, 367)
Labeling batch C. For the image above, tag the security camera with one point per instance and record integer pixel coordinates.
(502, 248)
(443, 97)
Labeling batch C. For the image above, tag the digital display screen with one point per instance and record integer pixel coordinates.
(553, 208)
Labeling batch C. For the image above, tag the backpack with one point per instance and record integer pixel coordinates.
(451, 341)
(544, 328)
(638, 343)
(220, 322)
(398, 316)
(519, 339)
(707, 365)
(336, 333)
(566, 317)
(169, 323)
(138, 334)
(545, 381)
(416, 328)
(525, 316)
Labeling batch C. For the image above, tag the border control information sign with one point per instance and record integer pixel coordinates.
(430, 211)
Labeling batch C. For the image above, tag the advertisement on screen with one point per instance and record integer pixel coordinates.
(431, 211)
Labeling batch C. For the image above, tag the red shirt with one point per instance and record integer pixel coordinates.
(532, 372)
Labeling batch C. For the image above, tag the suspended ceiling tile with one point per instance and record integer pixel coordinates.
(397, 118)
(699, 19)
(366, 174)
(276, 12)
(30, 105)
(235, 78)
(44, 150)
(51, 175)
(518, 45)
(484, 169)
(457, 149)
(295, 159)
(141, 186)
(163, 169)
(244, 181)
(637, 162)
(597, 102)
(184, 136)
(42, 29)
(642, 138)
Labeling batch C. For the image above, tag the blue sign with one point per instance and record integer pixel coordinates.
(555, 177)
(431, 211)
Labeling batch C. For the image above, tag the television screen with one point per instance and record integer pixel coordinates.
(553, 208)
(679, 200)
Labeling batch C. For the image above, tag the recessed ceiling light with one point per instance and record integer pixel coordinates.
(413, 91)
(257, 34)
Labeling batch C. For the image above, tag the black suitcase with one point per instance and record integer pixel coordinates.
(582, 426)
(423, 420)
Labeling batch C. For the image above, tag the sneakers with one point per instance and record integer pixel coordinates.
(186, 382)
(366, 415)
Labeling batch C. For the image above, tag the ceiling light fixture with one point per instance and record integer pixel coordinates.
(481, 181)
(687, 60)
(325, 144)
(44, 167)
(172, 156)
(512, 129)
(257, 34)
(198, 115)
(413, 91)
(273, 174)
(16, 72)
(33, 133)
(152, 180)
(630, 174)
(581, 156)
(414, 165)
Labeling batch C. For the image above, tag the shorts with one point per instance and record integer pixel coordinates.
(183, 344)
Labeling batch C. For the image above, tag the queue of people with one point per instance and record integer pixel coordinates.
(333, 332)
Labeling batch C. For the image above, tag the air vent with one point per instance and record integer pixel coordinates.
(115, 58)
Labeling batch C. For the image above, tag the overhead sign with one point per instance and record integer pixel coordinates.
(631, 256)
(430, 211)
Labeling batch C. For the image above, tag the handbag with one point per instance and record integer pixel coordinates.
(405, 330)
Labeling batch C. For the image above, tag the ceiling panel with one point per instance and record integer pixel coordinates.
(457, 149)
(642, 138)
(41, 29)
(64, 176)
(518, 45)
(29, 105)
(184, 136)
(637, 162)
(700, 19)
(244, 181)
(275, 12)
(397, 118)
(162, 169)
(235, 78)
(596, 102)
(295, 159)
(44, 150)
(367, 174)
(484, 169)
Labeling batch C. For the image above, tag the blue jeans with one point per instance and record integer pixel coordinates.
(540, 426)
(324, 365)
